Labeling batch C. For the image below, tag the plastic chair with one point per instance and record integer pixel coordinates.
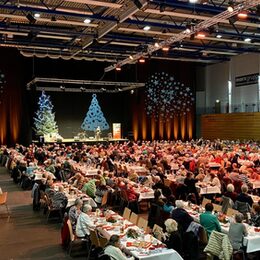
(3, 202)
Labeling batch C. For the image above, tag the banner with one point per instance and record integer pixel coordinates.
(116, 131)
(246, 80)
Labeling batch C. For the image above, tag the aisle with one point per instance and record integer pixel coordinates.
(27, 235)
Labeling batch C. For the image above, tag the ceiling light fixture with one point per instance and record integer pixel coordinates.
(37, 15)
(219, 36)
(201, 35)
(142, 60)
(118, 68)
(165, 48)
(87, 21)
(147, 28)
(156, 45)
(247, 40)
(230, 6)
(131, 57)
(193, 1)
(242, 15)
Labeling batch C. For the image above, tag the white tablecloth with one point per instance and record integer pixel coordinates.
(208, 190)
(256, 184)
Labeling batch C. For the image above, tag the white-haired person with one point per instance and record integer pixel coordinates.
(74, 212)
(230, 193)
(244, 197)
(84, 222)
(237, 232)
(172, 237)
(181, 216)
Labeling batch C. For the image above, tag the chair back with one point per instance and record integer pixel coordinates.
(104, 199)
(203, 236)
(133, 218)
(142, 223)
(204, 202)
(226, 204)
(242, 207)
(231, 212)
(3, 198)
(127, 213)
(72, 236)
(94, 238)
(157, 231)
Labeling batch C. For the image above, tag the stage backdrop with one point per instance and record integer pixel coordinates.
(18, 106)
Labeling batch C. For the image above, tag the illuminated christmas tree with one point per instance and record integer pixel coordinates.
(44, 121)
(94, 117)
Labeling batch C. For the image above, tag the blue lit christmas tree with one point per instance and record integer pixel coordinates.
(44, 121)
(94, 117)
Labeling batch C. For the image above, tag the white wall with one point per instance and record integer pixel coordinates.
(216, 79)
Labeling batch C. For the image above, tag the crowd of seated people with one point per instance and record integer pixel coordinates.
(230, 166)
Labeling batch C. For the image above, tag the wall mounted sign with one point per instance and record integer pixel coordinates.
(246, 80)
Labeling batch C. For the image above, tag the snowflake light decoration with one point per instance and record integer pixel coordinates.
(166, 97)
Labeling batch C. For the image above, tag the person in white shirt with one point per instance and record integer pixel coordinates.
(114, 249)
(84, 223)
(215, 182)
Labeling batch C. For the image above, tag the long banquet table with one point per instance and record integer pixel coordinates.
(152, 248)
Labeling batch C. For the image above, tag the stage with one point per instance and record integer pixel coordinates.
(81, 141)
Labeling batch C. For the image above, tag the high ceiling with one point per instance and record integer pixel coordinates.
(108, 30)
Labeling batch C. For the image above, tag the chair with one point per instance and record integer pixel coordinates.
(104, 199)
(51, 209)
(204, 202)
(142, 223)
(133, 218)
(94, 241)
(157, 232)
(74, 242)
(217, 208)
(3, 202)
(242, 207)
(231, 212)
(203, 236)
(226, 204)
(127, 213)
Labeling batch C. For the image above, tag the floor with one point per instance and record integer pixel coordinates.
(27, 235)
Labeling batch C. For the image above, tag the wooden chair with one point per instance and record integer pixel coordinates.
(204, 202)
(231, 212)
(94, 241)
(142, 223)
(127, 213)
(104, 199)
(133, 218)
(157, 232)
(217, 208)
(3, 202)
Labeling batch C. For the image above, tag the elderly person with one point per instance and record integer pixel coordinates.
(59, 199)
(244, 197)
(237, 231)
(181, 216)
(255, 216)
(74, 212)
(208, 220)
(172, 237)
(230, 193)
(90, 188)
(84, 222)
(114, 249)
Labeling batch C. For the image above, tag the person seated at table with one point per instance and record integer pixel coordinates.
(30, 169)
(158, 198)
(49, 166)
(84, 222)
(230, 193)
(214, 181)
(90, 188)
(208, 220)
(190, 182)
(237, 231)
(243, 177)
(200, 175)
(181, 175)
(49, 190)
(101, 189)
(169, 205)
(114, 249)
(244, 197)
(74, 213)
(172, 237)
(59, 199)
(180, 215)
(76, 180)
(133, 176)
(255, 215)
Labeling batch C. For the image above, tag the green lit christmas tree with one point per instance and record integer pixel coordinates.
(44, 121)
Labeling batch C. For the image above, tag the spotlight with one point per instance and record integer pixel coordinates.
(119, 89)
(230, 6)
(87, 21)
(37, 15)
(217, 101)
(188, 28)
(62, 88)
(242, 15)
(193, 1)
(247, 40)
(156, 45)
(131, 57)
(219, 36)
(201, 35)
(142, 60)
(147, 28)
(132, 91)
(138, 4)
(30, 18)
(118, 68)
(165, 48)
